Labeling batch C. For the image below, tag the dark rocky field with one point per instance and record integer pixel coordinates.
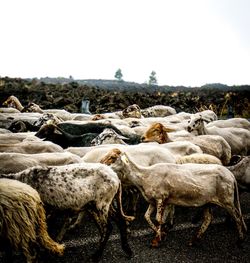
(106, 96)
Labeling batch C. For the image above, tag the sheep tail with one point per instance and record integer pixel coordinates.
(237, 195)
(119, 202)
(45, 240)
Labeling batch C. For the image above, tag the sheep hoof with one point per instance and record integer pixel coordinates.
(155, 243)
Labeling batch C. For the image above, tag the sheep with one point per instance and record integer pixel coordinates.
(23, 220)
(237, 138)
(7, 118)
(199, 158)
(23, 161)
(32, 107)
(13, 102)
(76, 187)
(241, 171)
(61, 114)
(188, 185)
(182, 148)
(18, 137)
(133, 111)
(144, 154)
(4, 131)
(22, 126)
(81, 128)
(210, 144)
(233, 122)
(108, 136)
(47, 118)
(57, 135)
(31, 147)
(9, 110)
(158, 111)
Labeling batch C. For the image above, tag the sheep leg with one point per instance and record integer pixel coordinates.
(123, 228)
(239, 222)
(168, 217)
(147, 215)
(78, 220)
(159, 218)
(105, 228)
(206, 222)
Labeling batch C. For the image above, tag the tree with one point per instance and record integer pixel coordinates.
(118, 74)
(152, 78)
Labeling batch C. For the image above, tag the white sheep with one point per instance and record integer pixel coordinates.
(24, 161)
(237, 138)
(23, 220)
(31, 147)
(144, 154)
(76, 187)
(199, 158)
(188, 185)
(241, 171)
(158, 111)
(233, 122)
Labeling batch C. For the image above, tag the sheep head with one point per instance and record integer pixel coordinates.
(157, 132)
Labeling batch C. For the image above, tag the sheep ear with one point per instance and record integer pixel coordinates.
(205, 120)
(57, 131)
(166, 129)
(124, 158)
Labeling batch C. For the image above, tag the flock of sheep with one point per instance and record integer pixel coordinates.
(53, 161)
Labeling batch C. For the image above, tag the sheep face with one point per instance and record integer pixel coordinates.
(195, 123)
(111, 156)
(46, 131)
(157, 133)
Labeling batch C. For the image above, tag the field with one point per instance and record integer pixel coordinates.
(106, 96)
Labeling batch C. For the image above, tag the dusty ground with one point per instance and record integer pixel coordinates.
(218, 244)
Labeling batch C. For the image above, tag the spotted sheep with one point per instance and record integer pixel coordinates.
(237, 138)
(210, 144)
(23, 221)
(77, 187)
(108, 136)
(187, 185)
(132, 111)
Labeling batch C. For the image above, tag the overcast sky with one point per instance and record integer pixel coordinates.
(186, 42)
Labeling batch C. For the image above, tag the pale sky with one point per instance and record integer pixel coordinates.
(186, 42)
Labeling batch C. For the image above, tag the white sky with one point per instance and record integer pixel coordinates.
(186, 42)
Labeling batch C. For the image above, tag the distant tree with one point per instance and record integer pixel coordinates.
(118, 74)
(152, 78)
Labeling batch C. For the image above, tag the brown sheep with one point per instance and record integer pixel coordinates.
(23, 220)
